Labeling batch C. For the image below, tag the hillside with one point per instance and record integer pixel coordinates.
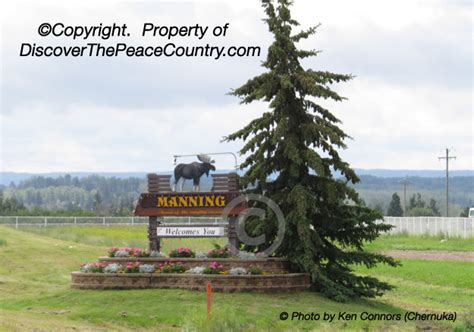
(377, 191)
(118, 194)
(6, 178)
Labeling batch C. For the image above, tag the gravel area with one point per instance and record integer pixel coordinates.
(434, 255)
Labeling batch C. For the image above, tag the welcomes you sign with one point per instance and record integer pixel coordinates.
(191, 231)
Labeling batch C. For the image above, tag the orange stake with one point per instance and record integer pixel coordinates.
(209, 300)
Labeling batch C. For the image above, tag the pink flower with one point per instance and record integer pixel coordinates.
(216, 265)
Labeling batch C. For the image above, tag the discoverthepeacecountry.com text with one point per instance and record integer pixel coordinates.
(95, 41)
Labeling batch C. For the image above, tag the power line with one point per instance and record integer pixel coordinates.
(447, 157)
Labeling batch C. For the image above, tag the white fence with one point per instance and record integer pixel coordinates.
(99, 221)
(449, 227)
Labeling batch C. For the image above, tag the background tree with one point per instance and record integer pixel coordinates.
(395, 208)
(377, 207)
(416, 201)
(419, 208)
(465, 212)
(97, 203)
(412, 202)
(296, 143)
(433, 207)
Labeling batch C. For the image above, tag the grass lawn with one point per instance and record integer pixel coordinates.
(136, 236)
(35, 293)
(406, 242)
(120, 236)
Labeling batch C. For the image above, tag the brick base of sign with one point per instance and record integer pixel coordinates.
(220, 283)
(270, 265)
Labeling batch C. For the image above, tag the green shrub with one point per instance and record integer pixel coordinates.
(214, 268)
(182, 253)
(255, 270)
(172, 268)
(218, 253)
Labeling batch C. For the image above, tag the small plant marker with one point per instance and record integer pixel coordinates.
(209, 300)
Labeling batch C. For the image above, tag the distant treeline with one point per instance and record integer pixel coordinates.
(93, 193)
(100, 195)
(377, 192)
(457, 184)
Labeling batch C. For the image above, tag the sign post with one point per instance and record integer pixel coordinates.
(153, 240)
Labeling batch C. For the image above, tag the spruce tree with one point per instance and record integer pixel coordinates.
(292, 152)
(433, 207)
(395, 208)
(464, 213)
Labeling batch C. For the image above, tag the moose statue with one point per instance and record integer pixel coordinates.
(193, 171)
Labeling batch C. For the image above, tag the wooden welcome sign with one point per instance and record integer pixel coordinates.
(187, 204)
(161, 200)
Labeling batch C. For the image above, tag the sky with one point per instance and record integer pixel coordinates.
(410, 99)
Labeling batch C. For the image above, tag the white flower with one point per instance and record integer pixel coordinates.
(112, 268)
(235, 271)
(146, 268)
(196, 270)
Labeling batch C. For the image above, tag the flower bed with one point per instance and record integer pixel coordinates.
(218, 253)
(214, 268)
(220, 283)
(128, 252)
(127, 268)
(137, 267)
(268, 265)
(182, 253)
(172, 268)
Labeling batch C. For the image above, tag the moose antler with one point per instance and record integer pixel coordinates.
(205, 158)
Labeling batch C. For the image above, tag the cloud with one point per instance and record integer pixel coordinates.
(404, 126)
(127, 82)
(86, 137)
(411, 97)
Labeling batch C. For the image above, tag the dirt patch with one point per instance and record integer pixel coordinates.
(433, 255)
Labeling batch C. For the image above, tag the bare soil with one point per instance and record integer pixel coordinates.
(434, 255)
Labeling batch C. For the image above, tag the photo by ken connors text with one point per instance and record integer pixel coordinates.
(368, 316)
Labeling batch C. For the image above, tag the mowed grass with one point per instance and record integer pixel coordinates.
(407, 242)
(34, 284)
(121, 236)
(137, 236)
(444, 273)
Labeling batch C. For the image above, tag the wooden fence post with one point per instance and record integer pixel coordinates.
(152, 234)
(153, 222)
(232, 235)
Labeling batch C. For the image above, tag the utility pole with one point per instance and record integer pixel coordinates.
(405, 184)
(447, 157)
